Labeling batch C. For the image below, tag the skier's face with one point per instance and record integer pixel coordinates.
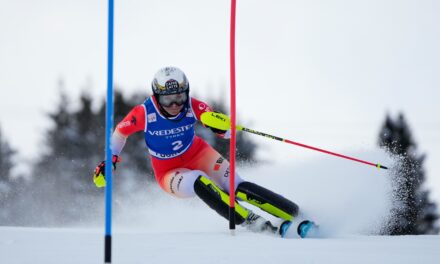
(170, 99)
(173, 103)
(173, 109)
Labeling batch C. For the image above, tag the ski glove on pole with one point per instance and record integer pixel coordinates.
(99, 175)
(226, 134)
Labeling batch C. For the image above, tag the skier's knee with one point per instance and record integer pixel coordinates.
(217, 199)
(267, 200)
(221, 177)
(180, 182)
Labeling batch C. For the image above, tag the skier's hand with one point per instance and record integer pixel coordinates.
(99, 175)
(226, 134)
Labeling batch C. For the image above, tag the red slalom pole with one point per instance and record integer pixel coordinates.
(232, 142)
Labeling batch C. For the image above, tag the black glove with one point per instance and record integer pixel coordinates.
(226, 134)
(99, 175)
(217, 131)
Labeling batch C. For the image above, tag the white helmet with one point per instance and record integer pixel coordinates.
(169, 80)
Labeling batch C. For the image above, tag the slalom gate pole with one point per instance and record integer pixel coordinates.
(232, 142)
(222, 122)
(108, 132)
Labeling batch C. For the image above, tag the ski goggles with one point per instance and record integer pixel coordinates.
(170, 99)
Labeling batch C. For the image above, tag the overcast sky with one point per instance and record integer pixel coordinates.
(321, 72)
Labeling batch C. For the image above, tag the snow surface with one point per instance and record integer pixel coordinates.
(31, 245)
(349, 201)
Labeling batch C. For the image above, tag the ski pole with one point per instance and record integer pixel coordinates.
(222, 122)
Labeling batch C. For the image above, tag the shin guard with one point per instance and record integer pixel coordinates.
(218, 200)
(267, 200)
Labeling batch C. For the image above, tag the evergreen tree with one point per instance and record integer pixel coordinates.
(62, 184)
(56, 191)
(62, 191)
(6, 181)
(412, 212)
(6, 161)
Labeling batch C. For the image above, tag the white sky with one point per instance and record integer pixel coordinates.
(320, 72)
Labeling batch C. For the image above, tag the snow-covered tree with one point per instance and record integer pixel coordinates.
(412, 212)
(6, 161)
(62, 191)
(74, 145)
(6, 184)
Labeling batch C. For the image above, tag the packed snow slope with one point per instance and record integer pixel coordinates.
(349, 201)
(27, 245)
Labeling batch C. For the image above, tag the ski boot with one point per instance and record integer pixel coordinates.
(256, 223)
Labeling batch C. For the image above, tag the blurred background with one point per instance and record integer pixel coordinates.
(348, 76)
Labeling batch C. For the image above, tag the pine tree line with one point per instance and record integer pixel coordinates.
(60, 190)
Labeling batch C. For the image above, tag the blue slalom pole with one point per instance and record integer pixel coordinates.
(232, 142)
(108, 133)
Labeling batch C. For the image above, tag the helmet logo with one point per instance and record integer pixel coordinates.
(172, 85)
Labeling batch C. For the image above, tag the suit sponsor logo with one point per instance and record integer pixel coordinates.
(151, 117)
(124, 124)
(167, 156)
(179, 180)
(226, 175)
(133, 120)
(218, 163)
(172, 131)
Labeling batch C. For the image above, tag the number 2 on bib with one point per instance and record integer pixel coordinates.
(177, 145)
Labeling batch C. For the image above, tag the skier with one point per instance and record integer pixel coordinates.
(185, 165)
